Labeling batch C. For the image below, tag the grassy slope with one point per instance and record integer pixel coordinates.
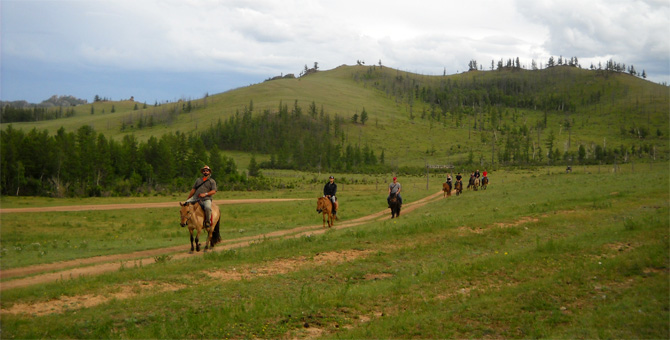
(626, 101)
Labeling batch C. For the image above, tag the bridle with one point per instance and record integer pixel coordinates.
(188, 216)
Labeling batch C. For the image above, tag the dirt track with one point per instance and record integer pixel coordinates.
(137, 205)
(102, 264)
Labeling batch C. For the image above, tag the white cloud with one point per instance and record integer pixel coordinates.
(267, 37)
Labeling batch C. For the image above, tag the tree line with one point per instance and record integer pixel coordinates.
(86, 163)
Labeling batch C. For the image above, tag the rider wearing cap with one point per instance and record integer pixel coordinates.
(394, 188)
(203, 190)
(329, 190)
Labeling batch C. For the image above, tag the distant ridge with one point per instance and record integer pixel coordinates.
(54, 101)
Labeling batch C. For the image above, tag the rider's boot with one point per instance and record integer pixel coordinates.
(208, 217)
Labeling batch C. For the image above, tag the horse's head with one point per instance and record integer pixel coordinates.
(185, 212)
(394, 197)
(320, 204)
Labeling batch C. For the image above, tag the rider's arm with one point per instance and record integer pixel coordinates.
(190, 194)
(209, 193)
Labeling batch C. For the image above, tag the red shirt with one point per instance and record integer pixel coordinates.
(484, 173)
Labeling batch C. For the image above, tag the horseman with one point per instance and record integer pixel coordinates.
(394, 188)
(484, 173)
(477, 175)
(203, 190)
(459, 178)
(329, 191)
(449, 181)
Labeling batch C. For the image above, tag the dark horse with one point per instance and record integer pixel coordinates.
(485, 182)
(192, 215)
(394, 202)
(459, 187)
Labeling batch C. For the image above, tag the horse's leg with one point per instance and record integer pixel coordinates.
(208, 244)
(197, 240)
(191, 232)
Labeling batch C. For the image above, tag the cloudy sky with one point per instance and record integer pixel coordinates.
(158, 50)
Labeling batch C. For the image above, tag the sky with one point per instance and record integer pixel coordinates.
(165, 50)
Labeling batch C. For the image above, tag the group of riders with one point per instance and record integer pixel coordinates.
(473, 176)
(205, 187)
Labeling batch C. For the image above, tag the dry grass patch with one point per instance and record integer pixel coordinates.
(66, 303)
(284, 266)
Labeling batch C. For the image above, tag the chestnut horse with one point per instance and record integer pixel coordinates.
(325, 206)
(193, 216)
(446, 187)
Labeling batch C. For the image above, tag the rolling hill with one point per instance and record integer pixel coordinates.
(420, 119)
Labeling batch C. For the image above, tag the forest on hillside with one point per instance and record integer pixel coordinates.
(87, 163)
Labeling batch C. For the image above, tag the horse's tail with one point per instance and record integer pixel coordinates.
(216, 235)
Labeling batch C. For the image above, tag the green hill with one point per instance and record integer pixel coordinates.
(352, 119)
(417, 119)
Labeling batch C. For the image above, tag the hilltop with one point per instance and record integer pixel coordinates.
(352, 119)
(418, 119)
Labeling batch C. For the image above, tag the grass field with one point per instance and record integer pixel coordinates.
(539, 254)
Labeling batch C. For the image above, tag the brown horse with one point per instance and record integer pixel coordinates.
(446, 187)
(485, 182)
(325, 207)
(193, 216)
(459, 187)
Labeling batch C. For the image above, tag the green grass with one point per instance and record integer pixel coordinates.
(540, 254)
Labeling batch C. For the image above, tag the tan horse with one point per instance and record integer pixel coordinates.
(193, 216)
(446, 187)
(476, 184)
(325, 207)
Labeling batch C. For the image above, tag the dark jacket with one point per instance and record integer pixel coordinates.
(330, 189)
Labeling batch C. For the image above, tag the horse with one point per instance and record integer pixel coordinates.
(446, 187)
(459, 187)
(325, 207)
(471, 182)
(485, 182)
(193, 216)
(475, 185)
(395, 204)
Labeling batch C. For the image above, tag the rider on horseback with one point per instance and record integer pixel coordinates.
(449, 181)
(459, 178)
(394, 188)
(203, 190)
(329, 191)
(477, 174)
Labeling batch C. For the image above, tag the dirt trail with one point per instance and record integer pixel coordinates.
(138, 205)
(102, 264)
